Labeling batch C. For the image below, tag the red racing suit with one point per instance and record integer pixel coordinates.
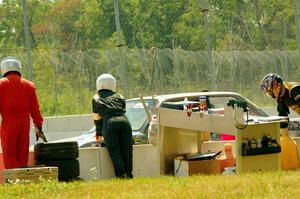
(18, 101)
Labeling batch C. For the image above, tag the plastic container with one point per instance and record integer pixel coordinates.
(153, 135)
(227, 159)
(202, 103)
(258, 143)
(225, 137)
(185, 103)
(253, 143)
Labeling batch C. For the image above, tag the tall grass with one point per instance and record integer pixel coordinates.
(249, 185)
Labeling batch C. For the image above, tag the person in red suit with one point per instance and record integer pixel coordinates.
(18, 101)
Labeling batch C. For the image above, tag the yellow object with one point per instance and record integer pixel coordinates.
(205, 136)
(295, 108)
(97, 116)
(289, 151)
(290, 86)
(30, 174)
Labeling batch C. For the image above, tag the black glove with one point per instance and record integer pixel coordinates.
(40, 134)
(102, 144)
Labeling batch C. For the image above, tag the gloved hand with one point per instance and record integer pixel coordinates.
(99, 138)
(40, 134)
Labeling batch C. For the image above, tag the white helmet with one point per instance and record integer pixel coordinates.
(9, 64)
(106, 81)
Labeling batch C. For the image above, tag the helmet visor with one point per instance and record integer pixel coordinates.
(267, 91)
(266, 88)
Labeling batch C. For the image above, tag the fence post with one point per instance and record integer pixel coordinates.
(211, 66)
(27, 38)
(297, 25)
(120, 45)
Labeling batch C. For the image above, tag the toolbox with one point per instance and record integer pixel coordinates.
(30, 174)
(204, 163)
(184, 167)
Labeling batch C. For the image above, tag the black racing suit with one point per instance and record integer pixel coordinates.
(114, 126)
(289, 99)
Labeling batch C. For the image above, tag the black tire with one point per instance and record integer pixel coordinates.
(67, 169)
(56, 151)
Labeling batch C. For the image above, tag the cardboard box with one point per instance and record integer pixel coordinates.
(184, 167)
(205, 136)
(30, 174)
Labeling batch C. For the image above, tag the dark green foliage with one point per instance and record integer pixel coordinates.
(164, 46)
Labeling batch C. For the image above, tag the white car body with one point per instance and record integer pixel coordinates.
(140, 122)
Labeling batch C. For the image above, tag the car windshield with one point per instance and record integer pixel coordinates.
(136, 114)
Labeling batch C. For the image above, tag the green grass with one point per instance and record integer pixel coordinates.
(252, 185)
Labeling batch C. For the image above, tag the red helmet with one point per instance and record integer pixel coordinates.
(270, 83)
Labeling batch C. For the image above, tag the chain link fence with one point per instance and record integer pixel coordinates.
(163, 47)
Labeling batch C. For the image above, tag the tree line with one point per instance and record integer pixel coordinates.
(165, 46)
(67, 24)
